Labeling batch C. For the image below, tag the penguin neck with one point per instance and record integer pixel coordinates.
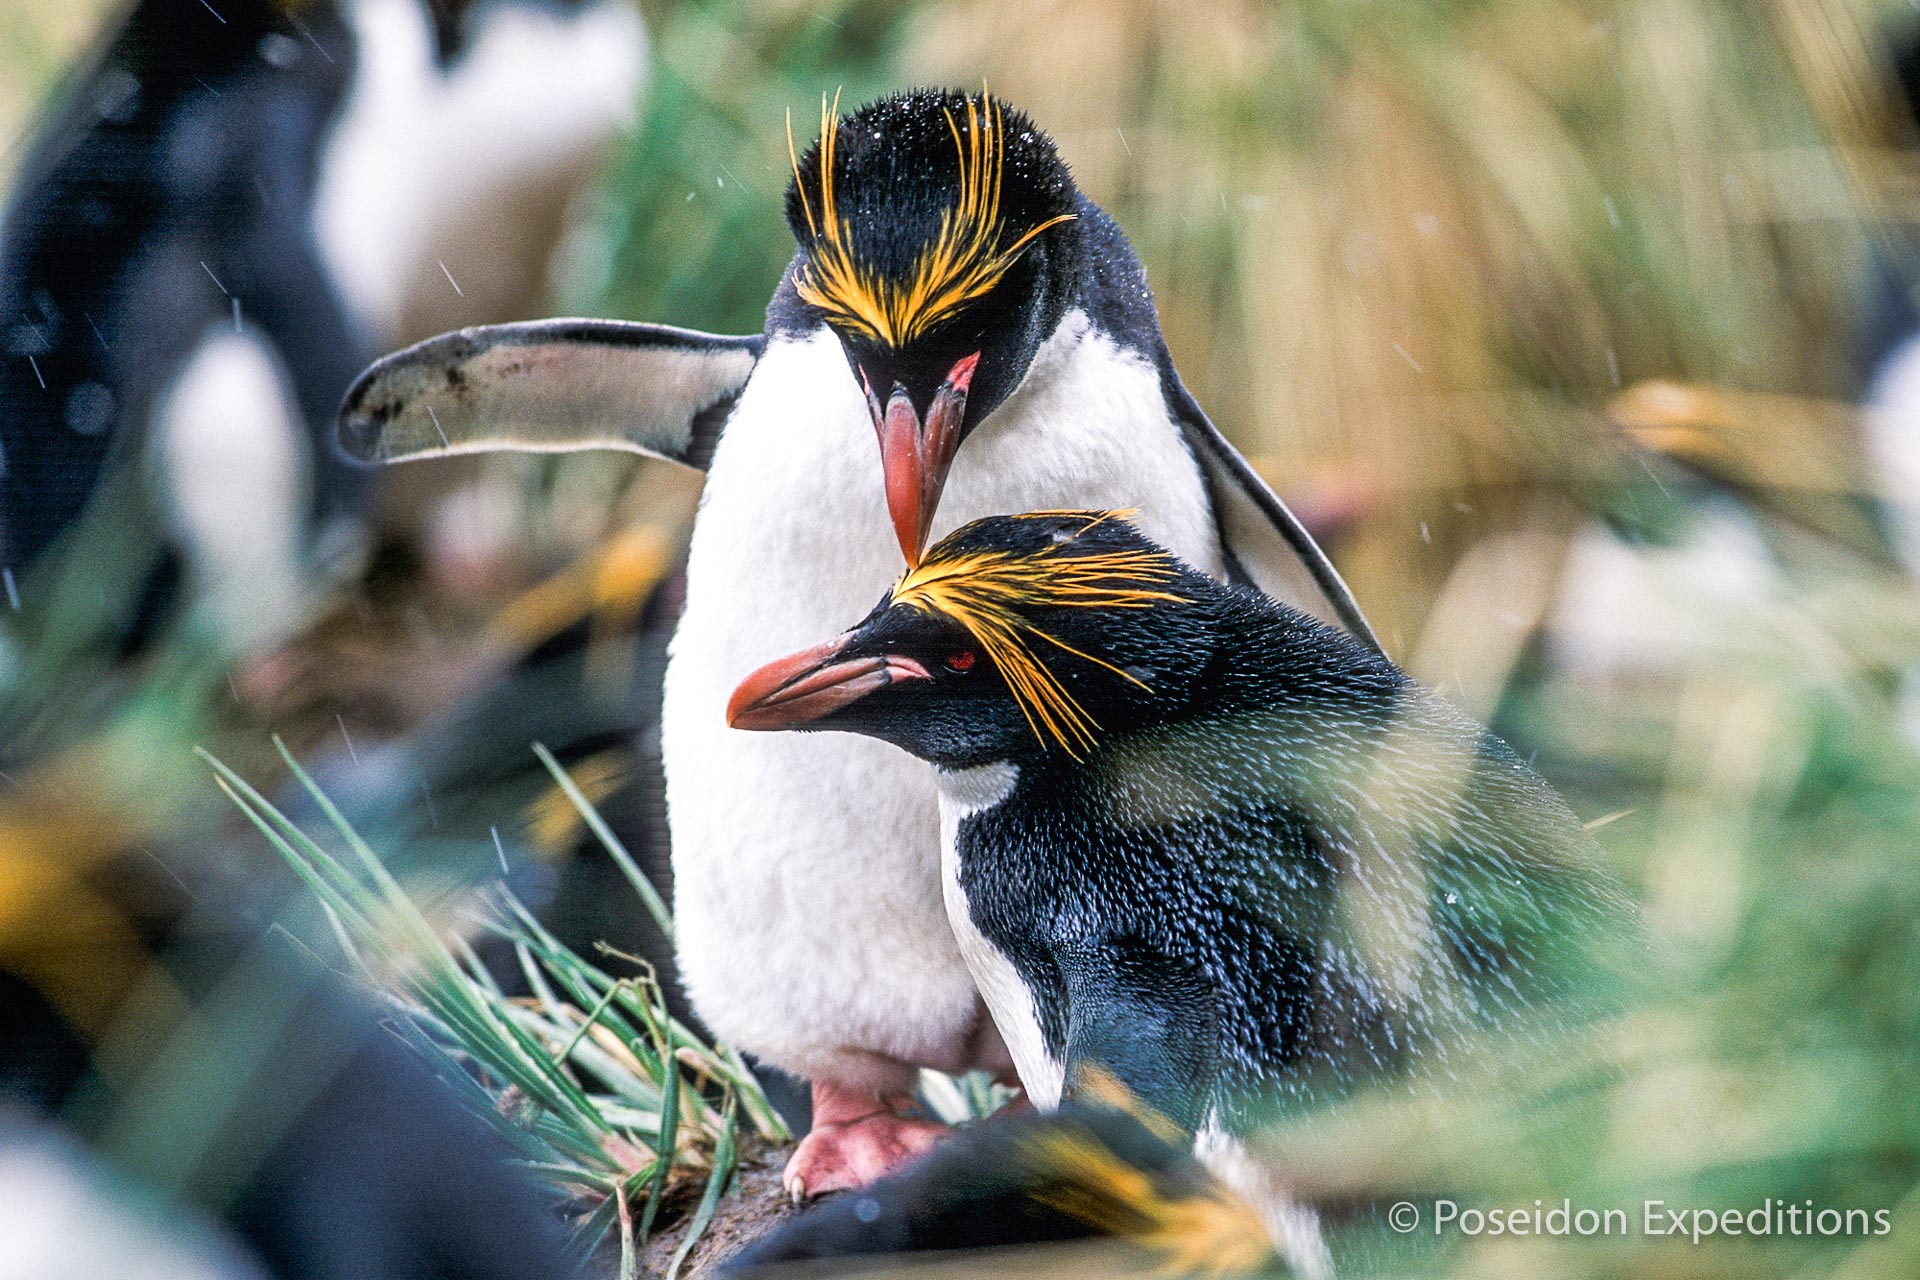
(968, 794)
(1106, 282)
(965, 794)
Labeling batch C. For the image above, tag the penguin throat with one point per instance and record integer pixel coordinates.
(977, 788)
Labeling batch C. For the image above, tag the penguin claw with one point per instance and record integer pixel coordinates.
(848, 1155)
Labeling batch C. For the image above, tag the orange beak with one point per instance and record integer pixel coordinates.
(805, 686)
(915, 455)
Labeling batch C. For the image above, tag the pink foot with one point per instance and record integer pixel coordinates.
(856, 1138)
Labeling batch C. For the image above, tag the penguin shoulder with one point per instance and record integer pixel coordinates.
(1281, 701)
(1113, 285)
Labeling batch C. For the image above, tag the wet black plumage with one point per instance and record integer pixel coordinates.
(895, 175)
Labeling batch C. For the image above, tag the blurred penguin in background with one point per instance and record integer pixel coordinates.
(188, 1094)
(1748, 498)
(230, 208)
(1100, 1187)
(233, 207)
(1891, 347)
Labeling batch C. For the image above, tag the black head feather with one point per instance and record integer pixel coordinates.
(917, 207)
(933, 225)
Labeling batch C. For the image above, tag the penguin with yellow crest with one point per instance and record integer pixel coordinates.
(1200, 843)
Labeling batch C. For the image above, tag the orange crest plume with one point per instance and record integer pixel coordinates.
(987, 592)
(971, 252)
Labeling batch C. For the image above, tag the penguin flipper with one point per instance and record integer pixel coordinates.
(1259, 533)
(1139, 1021)
(550, 386)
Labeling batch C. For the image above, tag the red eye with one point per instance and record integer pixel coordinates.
(961, 661)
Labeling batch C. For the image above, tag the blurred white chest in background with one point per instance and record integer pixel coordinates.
(1893, 436)
(432, 168)
(229, 446)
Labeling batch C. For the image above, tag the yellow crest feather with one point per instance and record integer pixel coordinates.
(969, 254)
(1206, 1233)
(986, 592)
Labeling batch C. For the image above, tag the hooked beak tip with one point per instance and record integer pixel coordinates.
(803, 687)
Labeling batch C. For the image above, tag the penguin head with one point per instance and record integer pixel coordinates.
(1014, 638)
(937, 240)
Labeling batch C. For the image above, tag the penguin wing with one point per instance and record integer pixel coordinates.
(550, 386)
(1266, 541)
(1141, 1016)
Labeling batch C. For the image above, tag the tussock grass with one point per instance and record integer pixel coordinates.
(625, 1112)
